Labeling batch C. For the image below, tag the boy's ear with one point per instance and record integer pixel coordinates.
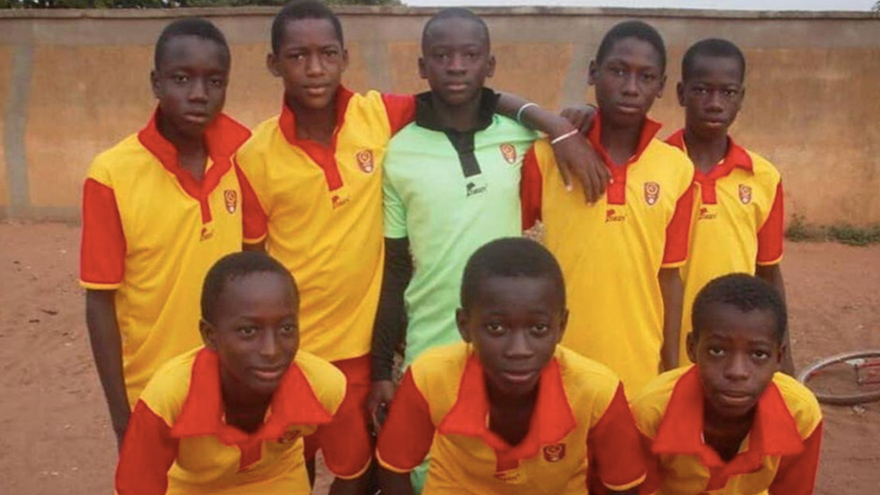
(209, 334)
(154, 83)
(563, 323)
(662, 86)
(783, 349)
(491, 66)
(592, 73)
(272, 64)
(679, 90)
(692, 347)
(423, 72)
(461, 321)
(344, 59)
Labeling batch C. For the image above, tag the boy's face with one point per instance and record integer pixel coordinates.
(310, 61)
(712, 95)
(627, 82)
(737, 357)
(456, 60)
(190, 83)
(255, 332)
(514, 325)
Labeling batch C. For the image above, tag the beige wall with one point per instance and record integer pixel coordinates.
(73, 83)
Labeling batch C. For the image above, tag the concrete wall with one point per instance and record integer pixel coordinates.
(73, 83)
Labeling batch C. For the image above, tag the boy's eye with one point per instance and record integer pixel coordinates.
(495, 328)
(218, 82)
(180, 78)
(288, 328)
(715, 351)
(649, 77)
(247, 331)
(540, 328)
(761, 355)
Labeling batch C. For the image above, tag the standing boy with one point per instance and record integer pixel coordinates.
(509, 411)
(738, 204)
(159, 209)
(730, 425)
(621, 256)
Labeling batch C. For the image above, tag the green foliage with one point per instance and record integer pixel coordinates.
(800, 231)
(152, 4)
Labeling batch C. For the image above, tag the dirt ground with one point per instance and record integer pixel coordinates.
(56, 436)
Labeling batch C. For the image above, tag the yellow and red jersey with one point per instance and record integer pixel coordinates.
(151, 231)
(780, 455)
(611, 251)
(580, 423)
(737, 222)
(319, 210)
(178, 442)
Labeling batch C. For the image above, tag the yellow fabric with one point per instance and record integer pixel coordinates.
(331, 241)
(206, 466)
(157, 303)
(611, 255)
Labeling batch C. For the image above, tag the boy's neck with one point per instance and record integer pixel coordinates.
(314, 124)
(509, 416)
(461, 118)
(705, 151)
(620, 142)
(725, 435)
(243, 410)
(192, 153)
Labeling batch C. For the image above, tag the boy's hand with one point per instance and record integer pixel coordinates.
(581, 117)
(380, 398)
(576, 157)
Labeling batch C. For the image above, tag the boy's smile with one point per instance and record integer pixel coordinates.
(627, 82)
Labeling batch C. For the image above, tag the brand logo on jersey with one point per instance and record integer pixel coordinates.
(554, 453)
(706, 214)
(508, 151)
(231, 198)
(511, 477)
(652, 193)
(339, 201)
(365, 161)
(745, 194)
(611, 215)
(473, 189)
(206, 234)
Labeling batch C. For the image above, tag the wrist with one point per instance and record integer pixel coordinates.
(560, 127)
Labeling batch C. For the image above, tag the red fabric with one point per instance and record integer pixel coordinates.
(103, 245)
(148, 452)
(654, 479)
(614, 445)
(679, 229)
(408, 433)
(552, 419)
(223, 137)
(324, 156)
(616, 190)
(531, 190)
(401, 110)
(254, 219)
(736, 157)
(770, 237)
(797, 473)
(346, 440)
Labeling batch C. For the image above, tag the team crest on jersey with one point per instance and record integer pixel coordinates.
(652, 193)
(231, 198)
(554, 453)
(508, 151)
(365, 161)
(745, 194)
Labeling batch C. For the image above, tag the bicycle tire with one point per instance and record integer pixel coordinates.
(845, 399)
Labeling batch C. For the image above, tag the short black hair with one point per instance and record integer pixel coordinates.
(231, 267)
(632, 29)
(712, 47)
(744, 292)
(189, 26)
(455, 13)
(509, 257)
(298, 10)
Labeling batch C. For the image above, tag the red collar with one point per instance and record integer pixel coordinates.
(287, 121)
(616, 191)
(552, 419)
(774, 431)
(294, 403)
(223, 137)
(736, 157)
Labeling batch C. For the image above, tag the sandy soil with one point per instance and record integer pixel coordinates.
(56, 435)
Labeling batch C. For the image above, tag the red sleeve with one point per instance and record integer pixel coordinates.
(253, 217)
(408, 432)
(148, 452)
(654, 478)
(614, 447)
(102, 252)
(679, 229)
(771, 233)
(401, 110)
(797, 473)
(531, 190)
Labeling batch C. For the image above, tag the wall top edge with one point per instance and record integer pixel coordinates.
(404, 11)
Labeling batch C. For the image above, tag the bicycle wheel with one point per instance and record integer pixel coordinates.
(845, 379)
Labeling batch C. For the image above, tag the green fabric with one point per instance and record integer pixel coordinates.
(448, 216)
(418, 476)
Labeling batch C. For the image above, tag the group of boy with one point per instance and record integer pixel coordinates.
(299, 338)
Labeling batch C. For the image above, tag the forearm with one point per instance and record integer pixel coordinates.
(394, 483)
(106, 343)
(772, 274)
(389, 328)
(532, 116)
(672, 290)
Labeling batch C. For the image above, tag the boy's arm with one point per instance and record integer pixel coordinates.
(107, 349)
(574, 155)
(147, 454)
(389, 329)
(253, 217)
(672, 290)
(797, 474)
